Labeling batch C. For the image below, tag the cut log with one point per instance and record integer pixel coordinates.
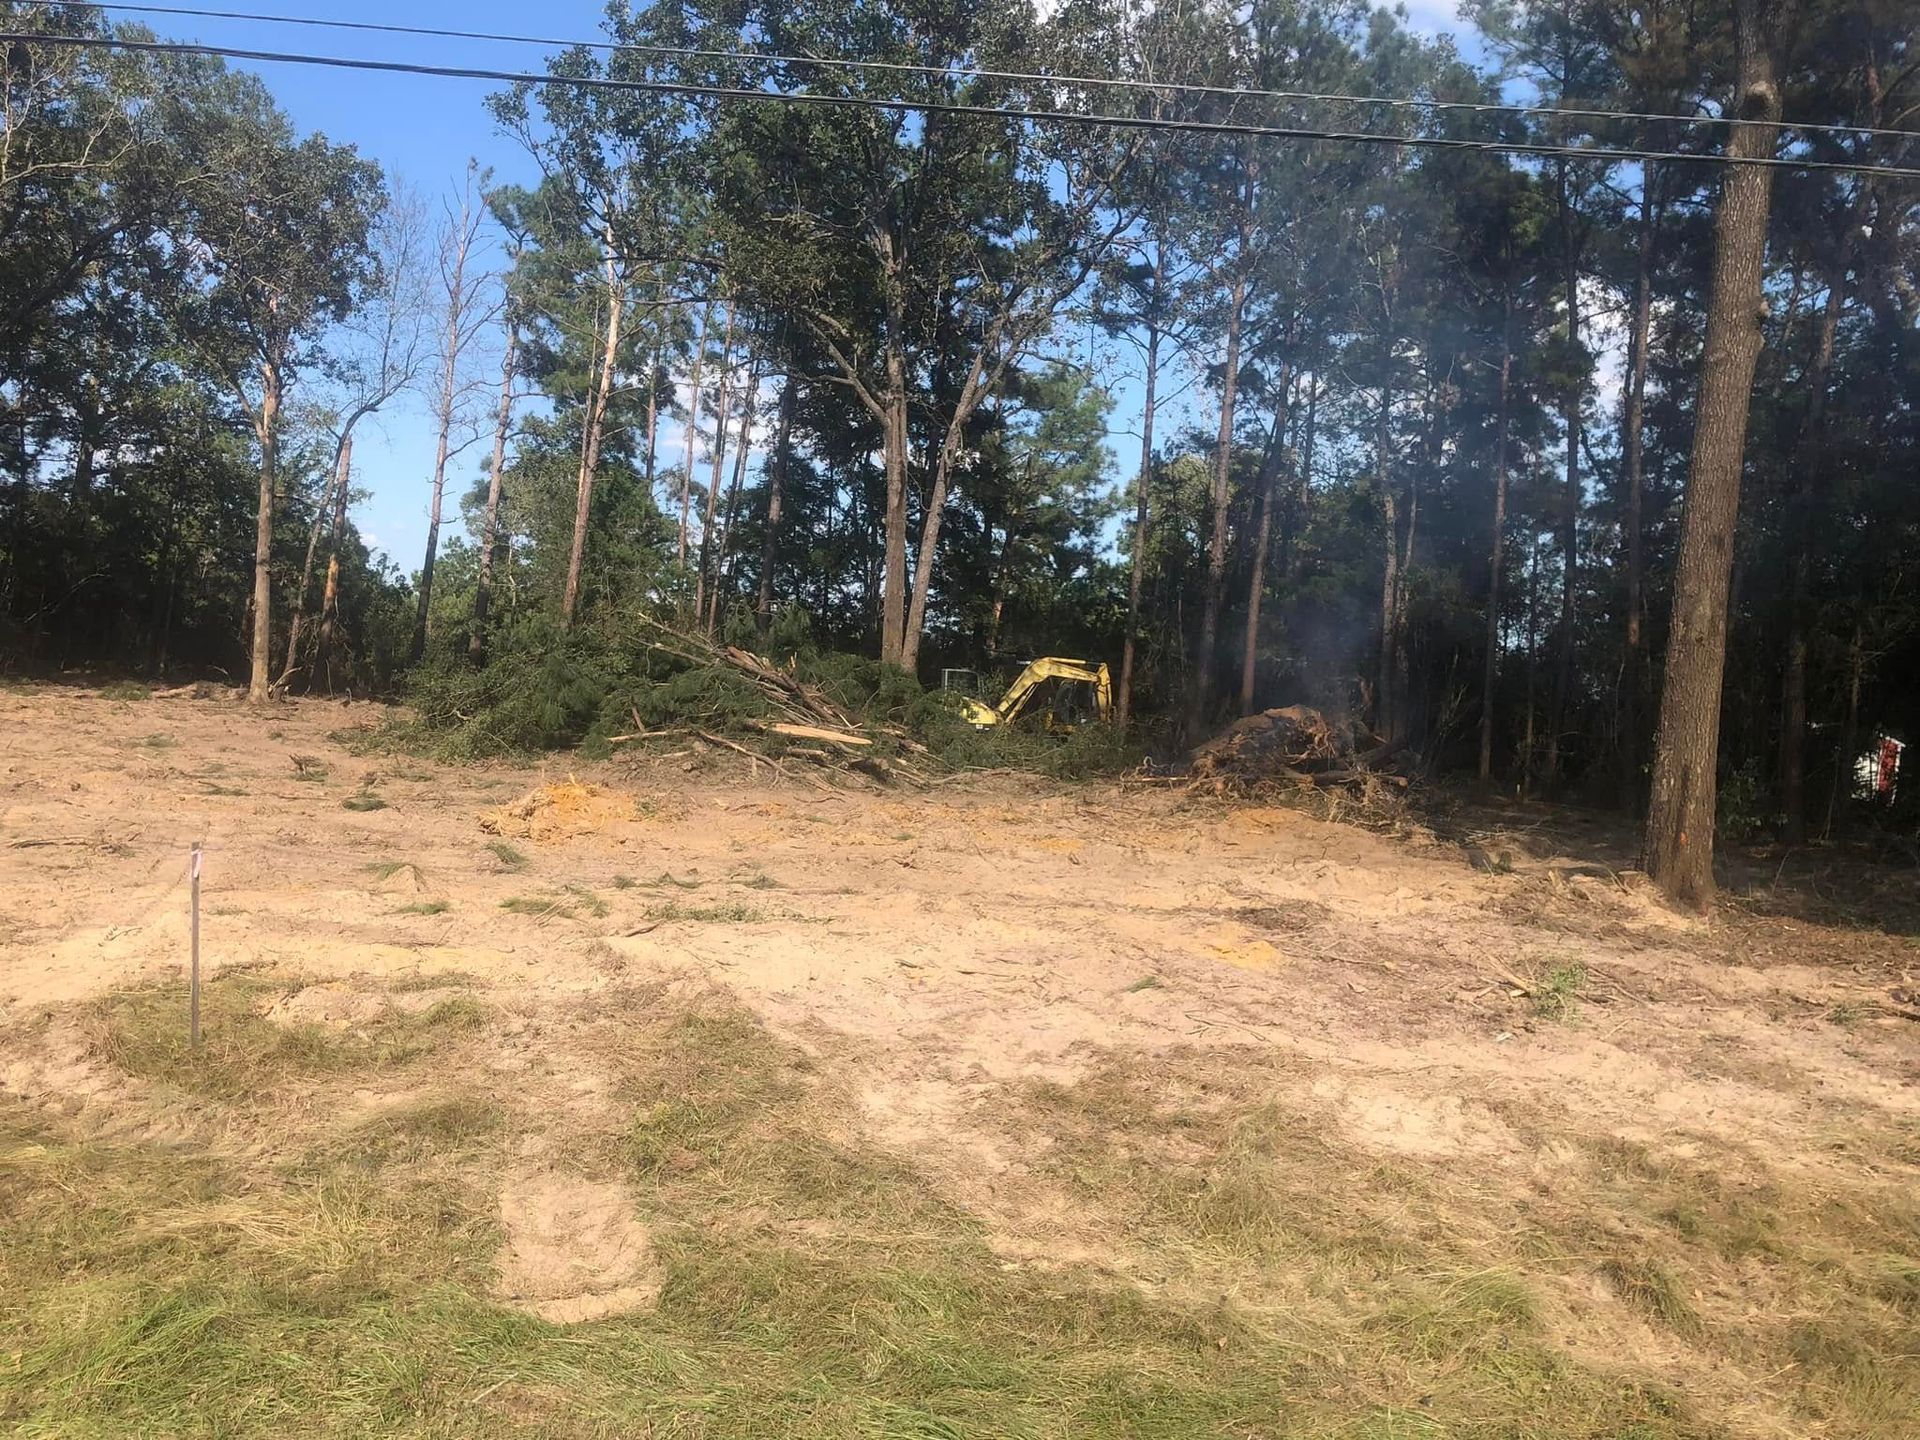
(815, 732)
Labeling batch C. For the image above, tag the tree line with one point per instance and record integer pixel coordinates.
(1583, 463)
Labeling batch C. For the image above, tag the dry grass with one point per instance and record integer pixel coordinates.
(1426, 1269)
(243, 1054)
(1253, 1274)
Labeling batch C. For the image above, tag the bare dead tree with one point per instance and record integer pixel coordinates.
(467, 310)
(378, 355)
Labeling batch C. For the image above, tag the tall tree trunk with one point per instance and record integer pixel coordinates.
(692, 435)
(1849, 732)
(443, 419)
(1002, 582)
(653, 388)
(590, 450)
(1201, 692)
(1385, 703)
(1685, 780)
(776, 501)
(970, 393)
(490, 519)
(721, 420)
(653, 405)
(1527, 738)
(1141, 489)
(1633, 475)
(342, 448)
(1300, 512)
(330, 589)
(893, 573)
(1570, 520)
(267, 429)
(1809, 460)
(1496, 548)
(740, 453)
(1271, 464)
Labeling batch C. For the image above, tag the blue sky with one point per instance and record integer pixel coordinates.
(422, 131)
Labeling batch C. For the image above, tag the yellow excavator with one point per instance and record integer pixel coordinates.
(1076, 691)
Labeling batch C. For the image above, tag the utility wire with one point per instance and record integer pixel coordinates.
(1474, 107)
(862, 102)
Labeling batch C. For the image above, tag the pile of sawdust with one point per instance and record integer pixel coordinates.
(562, 812)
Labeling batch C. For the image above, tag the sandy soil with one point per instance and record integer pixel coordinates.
(939, 944)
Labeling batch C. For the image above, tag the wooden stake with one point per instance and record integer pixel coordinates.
(193, 973)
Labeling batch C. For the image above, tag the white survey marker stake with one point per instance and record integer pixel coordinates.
(193, 969)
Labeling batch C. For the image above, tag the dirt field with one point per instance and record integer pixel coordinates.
(661, 1100)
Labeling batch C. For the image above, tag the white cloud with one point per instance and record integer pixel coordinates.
(1435, 17)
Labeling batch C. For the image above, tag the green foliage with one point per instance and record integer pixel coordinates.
(1743, 803)
(1556, 994)
(541, 690)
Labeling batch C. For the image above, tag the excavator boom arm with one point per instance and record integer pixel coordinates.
(1052, 667)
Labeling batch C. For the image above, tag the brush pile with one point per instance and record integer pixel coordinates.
(1294, 745)
(794, 718)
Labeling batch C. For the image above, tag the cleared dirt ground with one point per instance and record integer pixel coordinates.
(663, 1098)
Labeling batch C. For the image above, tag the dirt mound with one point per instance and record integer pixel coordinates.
(562, 812)
(574, 1250)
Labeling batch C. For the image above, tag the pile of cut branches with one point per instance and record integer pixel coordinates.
(800, 721)
(1294, 746)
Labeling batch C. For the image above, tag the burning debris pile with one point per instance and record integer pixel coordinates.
(1294, 745)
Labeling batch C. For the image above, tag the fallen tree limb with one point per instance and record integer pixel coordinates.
(815, 732)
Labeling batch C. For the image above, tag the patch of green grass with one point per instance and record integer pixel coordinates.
(425, 907)
(156, 742)
(623, 882)
(1896, 1280)
(433, 980)
(420, 1129)
(732, 912)
(125, 690)
(1556, 994)
(819, 1287)
(223, 790)
(1845, 1013)
(813, 1287)
(568, 903)
(244, 1054)
(539, 906)
(507, 855)
(1145, 982)
(387, 869)
(1649, 1287)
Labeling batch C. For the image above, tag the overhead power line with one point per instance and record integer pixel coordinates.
(1475, 107)
(932, 107)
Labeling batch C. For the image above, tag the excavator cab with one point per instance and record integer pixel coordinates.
(1071, 693)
